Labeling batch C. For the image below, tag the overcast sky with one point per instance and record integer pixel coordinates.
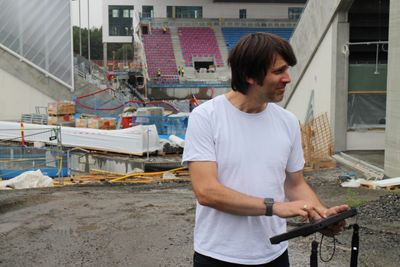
(95, 13)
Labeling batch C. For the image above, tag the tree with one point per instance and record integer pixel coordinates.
(96, 42)
(116, 51)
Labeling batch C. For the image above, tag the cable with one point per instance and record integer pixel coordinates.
(320, 249)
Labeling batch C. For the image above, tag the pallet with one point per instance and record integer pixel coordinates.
(391, 187)
(368, 184)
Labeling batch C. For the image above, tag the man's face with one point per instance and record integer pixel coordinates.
(273, 87)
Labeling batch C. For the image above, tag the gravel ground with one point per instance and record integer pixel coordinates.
(152, 225)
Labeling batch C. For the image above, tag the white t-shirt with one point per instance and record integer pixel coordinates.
(252, 152)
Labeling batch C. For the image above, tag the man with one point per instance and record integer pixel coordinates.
(245, 160)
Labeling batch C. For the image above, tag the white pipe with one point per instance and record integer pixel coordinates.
(368, 43)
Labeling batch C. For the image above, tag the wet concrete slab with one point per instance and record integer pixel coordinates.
(374, 157)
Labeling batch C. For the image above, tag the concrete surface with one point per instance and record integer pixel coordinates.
(152, 225)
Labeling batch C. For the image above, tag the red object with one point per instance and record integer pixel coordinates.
(110, 77)
(193, 103)
(126, 121)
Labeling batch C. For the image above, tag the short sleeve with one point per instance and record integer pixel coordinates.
(199, 141)
(296, 158)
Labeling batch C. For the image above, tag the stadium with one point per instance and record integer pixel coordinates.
(101, 115)
(343, 67)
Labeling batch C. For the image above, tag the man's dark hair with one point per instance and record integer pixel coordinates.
(254, 55)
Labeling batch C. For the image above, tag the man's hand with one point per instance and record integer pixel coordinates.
(336, 228)
(291, 209)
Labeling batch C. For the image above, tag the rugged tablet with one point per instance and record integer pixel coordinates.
(311, 228)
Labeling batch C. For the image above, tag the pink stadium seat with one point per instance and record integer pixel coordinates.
(159, 53)
(199, 41)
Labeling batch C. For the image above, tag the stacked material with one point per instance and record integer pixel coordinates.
(100, 176)
(96, 123)
(102, 123)
(136, 140)
(61, 113)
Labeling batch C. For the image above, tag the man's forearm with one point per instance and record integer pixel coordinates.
(296, 188)
(303, 192)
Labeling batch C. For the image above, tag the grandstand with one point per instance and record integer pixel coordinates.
(200, 36)
(233, 34)
(201, 42)
(159, 53)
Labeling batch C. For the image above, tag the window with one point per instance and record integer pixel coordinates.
(126, 13)
(115, 13)
(169, 12)
(120, 20)
(193, 12)
(147, 11)
(242, 13)
(294, 13)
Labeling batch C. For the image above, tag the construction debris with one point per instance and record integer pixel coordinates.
(29, 179)
(370, 172)
(99, 176)
(390, 184)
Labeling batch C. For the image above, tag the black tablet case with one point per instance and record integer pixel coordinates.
(311, 228)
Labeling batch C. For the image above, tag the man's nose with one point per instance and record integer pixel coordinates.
(286, 78)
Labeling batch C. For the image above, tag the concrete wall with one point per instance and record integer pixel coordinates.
(307, 37)
(22, 83)
(365, 140)
(318, 79)
(18, 97)
(320, 51)
(392, 143)
(210, 10)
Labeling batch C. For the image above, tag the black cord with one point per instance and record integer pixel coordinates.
(320, 249)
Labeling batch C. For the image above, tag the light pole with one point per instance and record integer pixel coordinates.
(80, 29)
(88, 21)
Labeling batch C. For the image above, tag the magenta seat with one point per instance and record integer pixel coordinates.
(199, 41)
(159, 53)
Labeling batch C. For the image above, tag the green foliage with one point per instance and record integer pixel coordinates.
(353, 198)
(115, 51)
(96, 42)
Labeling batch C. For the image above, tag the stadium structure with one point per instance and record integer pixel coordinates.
(348, 58)
(195, 36)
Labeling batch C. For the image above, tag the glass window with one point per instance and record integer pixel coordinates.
(242, 13)
(189, 12)
(126, 13)
(294, 13)
(169, 12)
(120, 20)
(115, 13)
(148, 11)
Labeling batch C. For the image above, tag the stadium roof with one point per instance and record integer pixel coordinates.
(264, 1)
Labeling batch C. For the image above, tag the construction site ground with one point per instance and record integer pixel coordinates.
(152, 225)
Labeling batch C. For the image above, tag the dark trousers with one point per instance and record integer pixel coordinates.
(200, 260)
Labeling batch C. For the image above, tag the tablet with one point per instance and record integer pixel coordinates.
(311, 228)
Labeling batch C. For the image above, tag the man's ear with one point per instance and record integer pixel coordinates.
(250, 81)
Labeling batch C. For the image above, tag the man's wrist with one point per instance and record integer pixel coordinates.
(269, 203)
